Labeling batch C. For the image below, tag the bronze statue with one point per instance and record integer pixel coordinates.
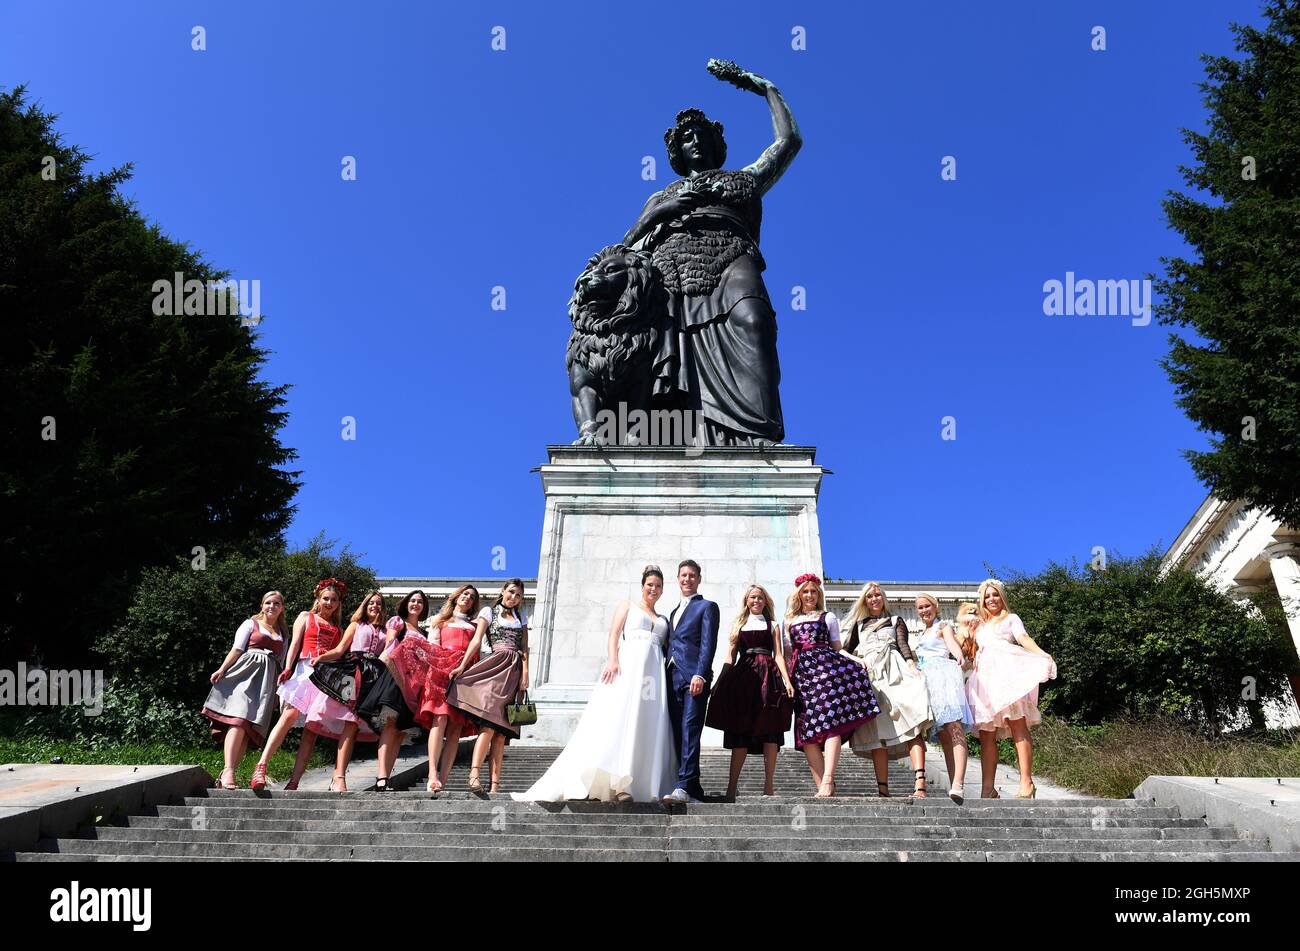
(702, 333)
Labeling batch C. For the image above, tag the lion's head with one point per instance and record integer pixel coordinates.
(617, 292)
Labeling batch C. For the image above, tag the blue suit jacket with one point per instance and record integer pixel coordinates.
(692, 642)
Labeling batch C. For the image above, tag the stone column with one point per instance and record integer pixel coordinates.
(1284, 563)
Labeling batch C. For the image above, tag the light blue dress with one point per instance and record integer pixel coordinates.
(943, 679)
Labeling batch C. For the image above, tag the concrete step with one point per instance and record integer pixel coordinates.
(606, 855)
(399, 846)
(680, 824)
(407, 803)
(455, 825)
(626, 836)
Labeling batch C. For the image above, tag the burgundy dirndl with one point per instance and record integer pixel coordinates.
(749, 703)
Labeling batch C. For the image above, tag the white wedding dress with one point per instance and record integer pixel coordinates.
(624, 740)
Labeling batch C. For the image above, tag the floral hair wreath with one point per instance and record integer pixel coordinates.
(808, 577)
(332, 583)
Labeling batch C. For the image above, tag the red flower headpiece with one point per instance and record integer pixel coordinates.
(798, 582)
(332, 583)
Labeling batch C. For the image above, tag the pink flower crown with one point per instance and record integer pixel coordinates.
(807, 577)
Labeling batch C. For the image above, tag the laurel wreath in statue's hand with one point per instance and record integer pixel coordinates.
(730, 72)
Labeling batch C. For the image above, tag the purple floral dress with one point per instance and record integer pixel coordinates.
(832, 694)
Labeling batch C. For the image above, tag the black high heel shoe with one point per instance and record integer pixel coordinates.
(919, 791)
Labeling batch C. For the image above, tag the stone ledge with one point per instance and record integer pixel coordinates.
(1255, 807)
(47, 801)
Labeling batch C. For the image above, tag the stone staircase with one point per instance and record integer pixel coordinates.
(458, 826)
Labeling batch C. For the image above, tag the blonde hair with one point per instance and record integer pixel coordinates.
(744, 614)
(996, 585)
(280, 625)
(926, 596)
(794, 605)
(337, 619)
(860, 611)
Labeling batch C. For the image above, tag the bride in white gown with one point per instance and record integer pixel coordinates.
(622, 748)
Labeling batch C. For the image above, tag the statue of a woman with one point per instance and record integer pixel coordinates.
(702, 233)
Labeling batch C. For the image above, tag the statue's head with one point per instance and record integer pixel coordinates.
(695, 143)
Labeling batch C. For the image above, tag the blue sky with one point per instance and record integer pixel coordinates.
(478, 168)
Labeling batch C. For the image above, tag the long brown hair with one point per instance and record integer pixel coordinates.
(402, 605)
(449, 608)
(743, 616)
(359, 616)
(501, 597)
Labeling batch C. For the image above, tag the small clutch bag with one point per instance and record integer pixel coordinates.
(522, 712)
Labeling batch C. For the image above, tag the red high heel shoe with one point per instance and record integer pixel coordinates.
(259, 777)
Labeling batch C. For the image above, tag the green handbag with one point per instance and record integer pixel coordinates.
(521, 712)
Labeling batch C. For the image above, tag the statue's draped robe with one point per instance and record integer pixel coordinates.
(710, 262)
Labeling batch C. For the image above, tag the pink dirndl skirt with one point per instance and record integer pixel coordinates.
(317, 711)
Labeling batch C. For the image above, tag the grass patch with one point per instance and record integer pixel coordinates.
(1114, 758)
(209, 756)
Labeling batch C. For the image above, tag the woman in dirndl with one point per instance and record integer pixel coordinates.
(450, 634)
(832, 693)
(878, 640)
(484, 690)
(752, 702)
(1003, 687)
(302, 703)
(389, 707)
(939, 655)
(241, 704)
(348, 671)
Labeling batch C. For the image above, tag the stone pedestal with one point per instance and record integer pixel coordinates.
(745, 515)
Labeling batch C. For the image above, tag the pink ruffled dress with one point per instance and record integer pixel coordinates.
(317, 711)
(1004, 684)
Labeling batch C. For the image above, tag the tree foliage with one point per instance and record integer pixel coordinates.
(181, 622)
(1130, 641)
(1238, 378)
(164, 439)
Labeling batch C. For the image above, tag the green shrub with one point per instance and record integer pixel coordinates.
(1129, 641)
(182, 621)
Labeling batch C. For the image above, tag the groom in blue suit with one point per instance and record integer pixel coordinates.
(692, 640)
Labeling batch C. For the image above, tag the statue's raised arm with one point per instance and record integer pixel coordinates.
(776, 158)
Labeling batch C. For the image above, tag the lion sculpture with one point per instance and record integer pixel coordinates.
(620, 315)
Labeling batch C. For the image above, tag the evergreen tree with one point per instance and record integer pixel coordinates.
(131, 437)
(1239, 378)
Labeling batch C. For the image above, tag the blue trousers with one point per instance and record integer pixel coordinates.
(687, 716)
